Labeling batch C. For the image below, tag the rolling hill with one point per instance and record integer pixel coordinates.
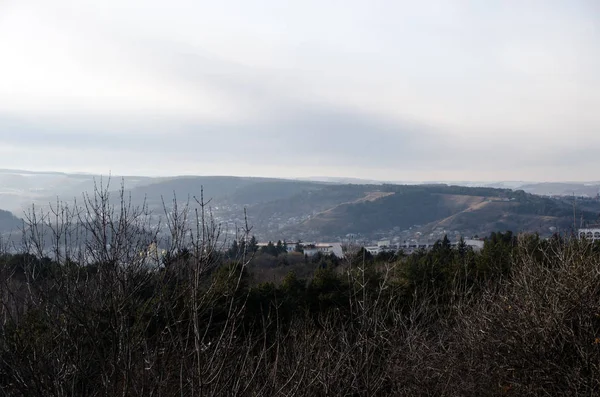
(285, 209)
(423, 210)
(326, 210)
(9, 222)
(563, 189)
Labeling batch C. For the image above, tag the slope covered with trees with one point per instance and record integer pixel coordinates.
(9, 222)
(468, 210)
(121, 317)
(288, 209)
(283, 209)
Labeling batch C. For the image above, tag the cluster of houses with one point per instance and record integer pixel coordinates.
(314, 248)
(410, 247)
(590, 234)
(311, 249)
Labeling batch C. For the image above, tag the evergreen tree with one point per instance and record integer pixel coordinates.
(461, 247)
(253, 245)
(234, 250)
(270, 249)
(280, 249)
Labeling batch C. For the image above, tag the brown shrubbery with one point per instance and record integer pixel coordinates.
(93, 307)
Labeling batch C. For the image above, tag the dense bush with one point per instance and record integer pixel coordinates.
(115, 316)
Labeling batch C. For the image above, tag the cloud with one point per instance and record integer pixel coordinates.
(429, 90)
(302, 133)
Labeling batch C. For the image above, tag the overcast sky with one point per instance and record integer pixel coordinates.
(392, 90)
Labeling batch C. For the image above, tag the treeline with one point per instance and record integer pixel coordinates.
(252, 247)
(117, 317)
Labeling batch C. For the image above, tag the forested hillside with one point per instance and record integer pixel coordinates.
(289, 209)
(9, 222)
(121, 317)
(308, 210)
(470, 211)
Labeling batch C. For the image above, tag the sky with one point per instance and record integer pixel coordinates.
(390, 90)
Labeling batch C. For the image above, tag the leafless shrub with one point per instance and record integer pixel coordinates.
(536, 333)
(101, 302)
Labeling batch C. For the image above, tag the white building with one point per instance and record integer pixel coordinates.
(311, 249)
(324, 248)
(590, 234)
(382, 246)
(374, 250)
(477, 245)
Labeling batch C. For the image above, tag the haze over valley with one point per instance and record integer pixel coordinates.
(328, 209)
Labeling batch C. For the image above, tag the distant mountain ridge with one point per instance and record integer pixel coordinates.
(329, 209)
(590, 189)
(9, 222)
(452, 209)
(284, 209)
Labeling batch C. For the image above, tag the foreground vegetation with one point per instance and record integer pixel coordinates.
(91, 308)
